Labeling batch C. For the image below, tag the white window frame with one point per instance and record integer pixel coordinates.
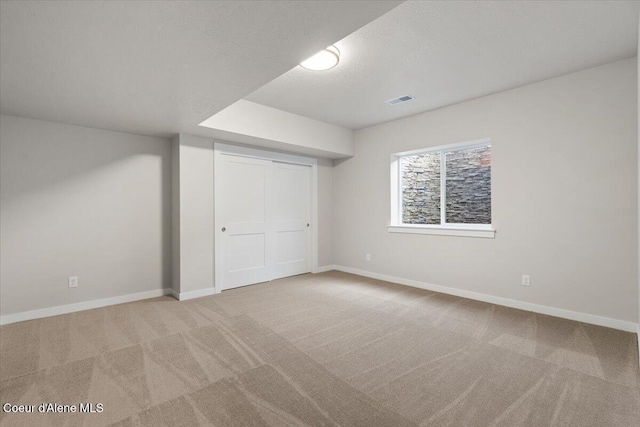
(444, 228)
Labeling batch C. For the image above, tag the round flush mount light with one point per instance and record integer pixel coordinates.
(323, 60)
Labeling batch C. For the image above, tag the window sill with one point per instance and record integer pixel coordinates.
(443, 231)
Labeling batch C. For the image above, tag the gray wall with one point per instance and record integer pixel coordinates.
(193, 241)
(175, 214)
(564, 202)
(325, 212)
(81, 202)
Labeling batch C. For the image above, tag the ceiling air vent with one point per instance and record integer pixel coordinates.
(399, 100)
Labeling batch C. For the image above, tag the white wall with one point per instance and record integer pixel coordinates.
(193, 242)
(564, 196)
(638, 130)
(248, 123)
(80, 202)
(175, 214)
(325, 212)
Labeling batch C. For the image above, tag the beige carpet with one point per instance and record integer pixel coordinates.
(320, 350)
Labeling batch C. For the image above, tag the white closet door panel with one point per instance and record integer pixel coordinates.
(243, 223)
(245, 185)
(252, 251)
(291, 215)
(291, 246)
(291, 184)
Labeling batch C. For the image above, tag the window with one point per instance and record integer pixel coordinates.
(443, 190)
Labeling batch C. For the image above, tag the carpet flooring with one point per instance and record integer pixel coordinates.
(330, 349)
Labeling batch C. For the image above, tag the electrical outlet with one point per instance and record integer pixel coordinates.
(73, 282)
(526, 280)
(367, 257)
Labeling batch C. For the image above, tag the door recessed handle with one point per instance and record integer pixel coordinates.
(224, 229)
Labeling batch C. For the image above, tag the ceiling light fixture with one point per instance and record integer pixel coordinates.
(323, 60)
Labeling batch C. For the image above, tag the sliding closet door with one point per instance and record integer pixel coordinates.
(291, 216)
(263, 215)
(243, 221)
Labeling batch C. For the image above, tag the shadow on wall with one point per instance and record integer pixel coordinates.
(85, 202)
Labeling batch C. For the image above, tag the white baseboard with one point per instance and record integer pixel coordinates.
(551, 311)
(542, 309)
(183, 296)
(323, 269)
(80, 306)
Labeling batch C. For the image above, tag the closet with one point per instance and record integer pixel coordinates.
(262, 219)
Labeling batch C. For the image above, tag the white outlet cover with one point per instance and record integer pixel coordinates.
(73, 282)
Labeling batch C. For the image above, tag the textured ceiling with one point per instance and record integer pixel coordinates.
(157, 67)
(448, 52)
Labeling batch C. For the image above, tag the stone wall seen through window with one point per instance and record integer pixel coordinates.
(421, 189)
(468, 187)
